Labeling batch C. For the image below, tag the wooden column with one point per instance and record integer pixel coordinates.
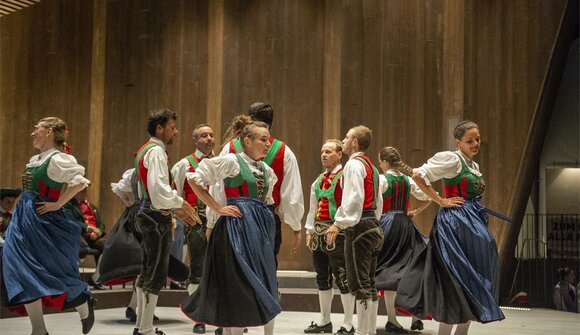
(453, 67)
(95, 155)
(333, 23)
(215, 66)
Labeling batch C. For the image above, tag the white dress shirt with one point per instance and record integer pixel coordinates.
(291, 206)
(445, 164)
(211, 172)
(62, 168)
(179, 170)
(415, 190)
(163, 196)
(353, 194)
(311, 217)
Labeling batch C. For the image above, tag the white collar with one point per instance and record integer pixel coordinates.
(157, 141)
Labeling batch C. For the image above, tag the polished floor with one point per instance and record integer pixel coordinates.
(111, 322)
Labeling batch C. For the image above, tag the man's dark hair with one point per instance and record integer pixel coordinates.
(261, 111)
(159, 117)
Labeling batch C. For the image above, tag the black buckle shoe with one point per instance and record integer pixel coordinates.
(159, 332)
(394, 329)
(89, 321)
(343, 331)
(316, 329)
(135, 331)
(130, 314)
(199, 328)
(417, 325)
(219, 331)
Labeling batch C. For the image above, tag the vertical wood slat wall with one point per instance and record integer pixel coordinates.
(407, 69)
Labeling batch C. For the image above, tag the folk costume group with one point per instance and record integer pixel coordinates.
(359, 228)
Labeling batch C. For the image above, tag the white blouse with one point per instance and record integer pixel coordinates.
(353, 194)
(123, 188)
(212, 172)
(445, 164)
(62, 168)
(291, 195)
(415, 190)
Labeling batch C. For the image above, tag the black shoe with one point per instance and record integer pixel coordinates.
(90, 320)
(199, 328)
(219, 331)
(131, 315)
(394, 329)
(343, 331)
(245, 330)
(316, 329)
(95, 285)
(159, 332)
(177, 286)
(417, 325)
(135, 331)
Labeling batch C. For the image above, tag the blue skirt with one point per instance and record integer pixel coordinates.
(238, 287)
(458, 269)
(40, 257)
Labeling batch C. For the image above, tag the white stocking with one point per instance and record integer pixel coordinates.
(348, 307)
(34, 310)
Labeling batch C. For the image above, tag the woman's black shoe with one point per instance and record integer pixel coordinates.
(417, 325)
(316, 329)
(199, 328)
(89, 321)
(343, 331)
(394, 329)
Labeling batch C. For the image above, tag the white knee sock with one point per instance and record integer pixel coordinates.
(191, 288)
(348, 308)
(325, 301)
(390, 303)
(83, 310)
(140, 306)
(373, 317)
(233, 331)
(445, 329)
(363, 313)
(463, 328)
(133, 301)
(269, 327)
(150, 302)
(36, 317)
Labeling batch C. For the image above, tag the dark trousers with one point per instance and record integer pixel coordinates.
(196, 245)
(155, 230)
(362, 245)
(329, 262)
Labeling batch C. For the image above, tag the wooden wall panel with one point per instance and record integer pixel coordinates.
(408, 69)
(45, 70)
(156, 57)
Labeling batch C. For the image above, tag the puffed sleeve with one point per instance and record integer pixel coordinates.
(63, 168)
(212, 171)
(445, 164)
(383, 183)
(416, 191)
(123, 188)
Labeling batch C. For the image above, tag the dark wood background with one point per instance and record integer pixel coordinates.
(408, 69)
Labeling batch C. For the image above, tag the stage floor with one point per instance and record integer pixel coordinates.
(111, 322)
